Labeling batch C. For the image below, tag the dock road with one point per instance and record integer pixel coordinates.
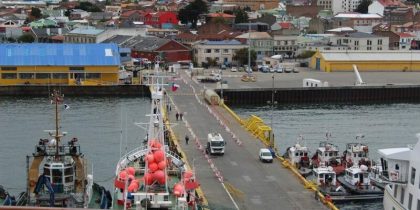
(246, 182)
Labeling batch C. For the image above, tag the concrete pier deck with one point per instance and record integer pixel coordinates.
(247, 183)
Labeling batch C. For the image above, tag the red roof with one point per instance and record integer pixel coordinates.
(403, 35)
(285, 25)
(223, 15)
(387, 3)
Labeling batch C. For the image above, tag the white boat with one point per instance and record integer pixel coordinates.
(298, 156)
(400, 172)
(152, 176)
(356, 180)
(328, 154)
(326, 180)
(356, 154)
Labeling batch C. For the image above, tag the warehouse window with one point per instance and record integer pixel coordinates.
(9, 68)
(76, 68)
(9, 76)
(60, 76)
(27, 75)
(42, 75)
(93, 75)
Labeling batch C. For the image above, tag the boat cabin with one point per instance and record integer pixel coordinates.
(61, 175)
(326, 153)
(298, 153)
(395, 164)
(325, 176)
(356, 175)
(357, 153)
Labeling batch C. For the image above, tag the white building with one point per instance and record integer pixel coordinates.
(327, 4)
(284, 44)
(344, 5)
(357, 21)
(376, 8)
(221, 51)
(360, 41)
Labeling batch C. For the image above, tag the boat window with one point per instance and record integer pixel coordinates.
(335, 153)
(360, 154)
(305, 154)
(68, 179)
(356, 175)
(57, 179)
(57, 172)
(410, 200)
(68, 171)
(402, 196)
(47, 171)
(397, 167)
(321, 176)
(296, 154)
(413, 175)
(301, 153)
(331, 154)
(395, 191)
(354, 154)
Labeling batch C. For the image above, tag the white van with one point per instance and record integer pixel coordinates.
(265, 155)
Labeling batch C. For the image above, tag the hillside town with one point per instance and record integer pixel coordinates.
(220, 33)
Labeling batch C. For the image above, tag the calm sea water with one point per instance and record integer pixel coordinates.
(383, 125)
(101, 123)
(96, 122)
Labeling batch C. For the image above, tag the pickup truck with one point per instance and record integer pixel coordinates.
(210, 78)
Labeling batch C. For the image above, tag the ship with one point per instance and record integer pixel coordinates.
(57, 174)
(400, 167)
(153, 175)
(328, 154)
(298, 156)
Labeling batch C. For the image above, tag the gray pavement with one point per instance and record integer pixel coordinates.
(256, 185)
(335, 79)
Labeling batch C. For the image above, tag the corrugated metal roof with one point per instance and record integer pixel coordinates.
(391, 55)
(86, 30)
(59, 55)
(224, 42)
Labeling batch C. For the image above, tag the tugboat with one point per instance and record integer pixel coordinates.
(356, 181)
(328, 154)
(326, 180)
(64, 180)
(152, 176)
(356, 154)
(297, 155)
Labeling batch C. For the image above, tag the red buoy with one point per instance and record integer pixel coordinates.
(153, 167)
(159, 155)
(162, 165)
(159, 176)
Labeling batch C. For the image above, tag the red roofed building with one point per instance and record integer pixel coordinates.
(157, 19)
(405, 40)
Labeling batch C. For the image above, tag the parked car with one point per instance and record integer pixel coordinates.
(265, 155)
(295, 70)
(233, 69)
(241, 69)
(288, 70)
(272, 70)
(223, 67)
(279, 69)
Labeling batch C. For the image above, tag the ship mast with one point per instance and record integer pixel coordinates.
(57, 99)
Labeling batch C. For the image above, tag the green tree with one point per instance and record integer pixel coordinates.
(36, 13)
(89, 7)
(241, 56)
(26, 38)
(241, 16)
(192, 12)
(363, 6)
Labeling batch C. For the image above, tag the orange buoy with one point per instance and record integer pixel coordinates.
(122, 175)
(159, 176)
(150, 158)
(162, 165)
(159, 155)
(131, 170)
(148, 178)
(153, 167)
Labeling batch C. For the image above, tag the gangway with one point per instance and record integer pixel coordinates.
(359, 81)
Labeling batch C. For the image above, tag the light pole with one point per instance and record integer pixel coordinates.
(272, 112)
(221, 86)
(249, 49)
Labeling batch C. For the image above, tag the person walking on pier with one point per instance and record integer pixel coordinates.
(187, 139)
(181, 115)
(177, 116)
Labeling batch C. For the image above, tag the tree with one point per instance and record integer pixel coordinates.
(192, 12)
(88, 7)
(363, 6)
(241, 56)
(241, 16)
(36, 13)
(26, 38)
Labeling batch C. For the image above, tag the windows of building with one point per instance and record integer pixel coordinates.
(225, 51)
(413, 175)
(42, 75)
(208, 50)
(9, 76)
(76, 68)
(379, 48)
(8, 68)
(369, 42)
(369, 48)
(216, 50)
(93, 75)
(356, 42)
(60, 76)
(27, 75)
(379, 41)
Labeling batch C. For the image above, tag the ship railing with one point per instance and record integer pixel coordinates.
(141, 151)
(51, 150)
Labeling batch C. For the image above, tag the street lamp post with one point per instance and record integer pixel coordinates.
(221, 86)
(272, 113)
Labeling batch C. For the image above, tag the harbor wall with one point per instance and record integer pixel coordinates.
(356, 94)
(105, 90)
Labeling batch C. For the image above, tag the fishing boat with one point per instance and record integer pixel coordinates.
(328, 154)
(356, 154)
(297, 155)
(57, 173)
(356, 180)
(326, 180)
(152, 175)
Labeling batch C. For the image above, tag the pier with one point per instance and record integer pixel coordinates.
(237, 180)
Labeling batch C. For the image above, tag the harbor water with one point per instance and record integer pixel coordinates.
(104, 124)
